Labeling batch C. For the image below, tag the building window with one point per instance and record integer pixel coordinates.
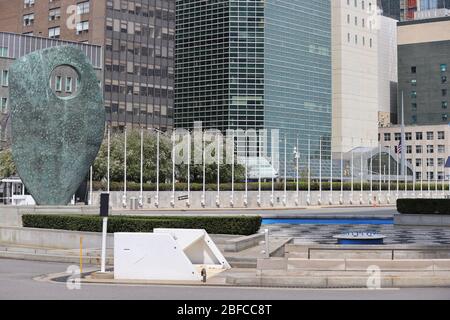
(441, 135)
(408, 136)
(441, 148)
(430, 148)
(54, 33)
(414, 82)
(441, 162)
(4, 105)
(348, 19)
(54, 14)
(444, 79)
(58, 86)
(69, 83)
(430, 162)
(419, 149)
(444, 92)
(414, 70)
(4, 52)
(443, 67)
(414, 119)
(387, 137)
(418, 162)
(430, 135)
(419, 136)
(398, 136)
(82, 27)
(444, 104)
(83, 7)
(414, 106)
(408, 149)
(28, 19)
(5, 78)
(413, 94)
(28, 3)
(445, 117)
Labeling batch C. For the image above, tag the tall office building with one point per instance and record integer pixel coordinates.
(410, 8)
(259, 64)
(355, 74)
(390, 8)
(138, 40)
(423, 70)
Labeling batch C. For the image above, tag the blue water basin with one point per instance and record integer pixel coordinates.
(354, 221)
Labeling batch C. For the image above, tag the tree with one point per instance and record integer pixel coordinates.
(133, 158)
(7, 165)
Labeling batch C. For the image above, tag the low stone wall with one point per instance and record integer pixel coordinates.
(434, 220)
(11, 216)
(316, 198)
(58, 239)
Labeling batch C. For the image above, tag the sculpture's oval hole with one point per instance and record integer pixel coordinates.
(65, 81)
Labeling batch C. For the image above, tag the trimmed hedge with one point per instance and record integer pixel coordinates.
(423, 206)
(238, 225)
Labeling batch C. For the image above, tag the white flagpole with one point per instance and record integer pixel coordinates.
(141, 193)
(362, 177)
(436, 192)
(258, 200)
(320, 172)
(272, 196)
(371, 174)
(109, 161)
(157, 169)
(204, 171)
(398, 164)
(297, 156)
(232, 173)
(352, 172)
(421, 178)
(188, 201)
(285, 171)
(414, 177)
(218, 171)
(341, 196)
(308, 197)
(124, 197)
(172, 202)
(331, 178)
(443, 180)
(379, 172)
(246, 172)
(389, 176)
(428, 181)
(90, 186)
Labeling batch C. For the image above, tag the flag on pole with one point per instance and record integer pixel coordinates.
(399, 148)
(447, 164)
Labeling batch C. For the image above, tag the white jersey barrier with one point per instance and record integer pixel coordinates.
(166, 254)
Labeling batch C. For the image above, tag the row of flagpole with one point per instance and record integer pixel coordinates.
(285, 176)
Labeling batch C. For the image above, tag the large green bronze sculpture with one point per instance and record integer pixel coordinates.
(55, 139)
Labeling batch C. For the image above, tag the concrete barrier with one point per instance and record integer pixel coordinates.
(422, 220)
(58, 239)
(242, 243)
(11, 216)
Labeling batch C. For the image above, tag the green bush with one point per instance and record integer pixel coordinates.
(238, 225)
(423, 206)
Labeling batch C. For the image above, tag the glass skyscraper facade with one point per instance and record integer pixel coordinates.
(256, 64)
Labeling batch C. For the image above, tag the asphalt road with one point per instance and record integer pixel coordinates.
(16, 282)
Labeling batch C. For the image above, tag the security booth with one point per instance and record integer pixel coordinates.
(14, 193)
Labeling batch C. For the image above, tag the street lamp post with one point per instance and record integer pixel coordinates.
(296, 156)
(124, 197)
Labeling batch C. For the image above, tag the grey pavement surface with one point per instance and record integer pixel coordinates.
(16, 282)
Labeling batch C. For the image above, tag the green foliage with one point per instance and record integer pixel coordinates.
(423, 206)
(7, 165)
(150, 161)
(238, 225)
